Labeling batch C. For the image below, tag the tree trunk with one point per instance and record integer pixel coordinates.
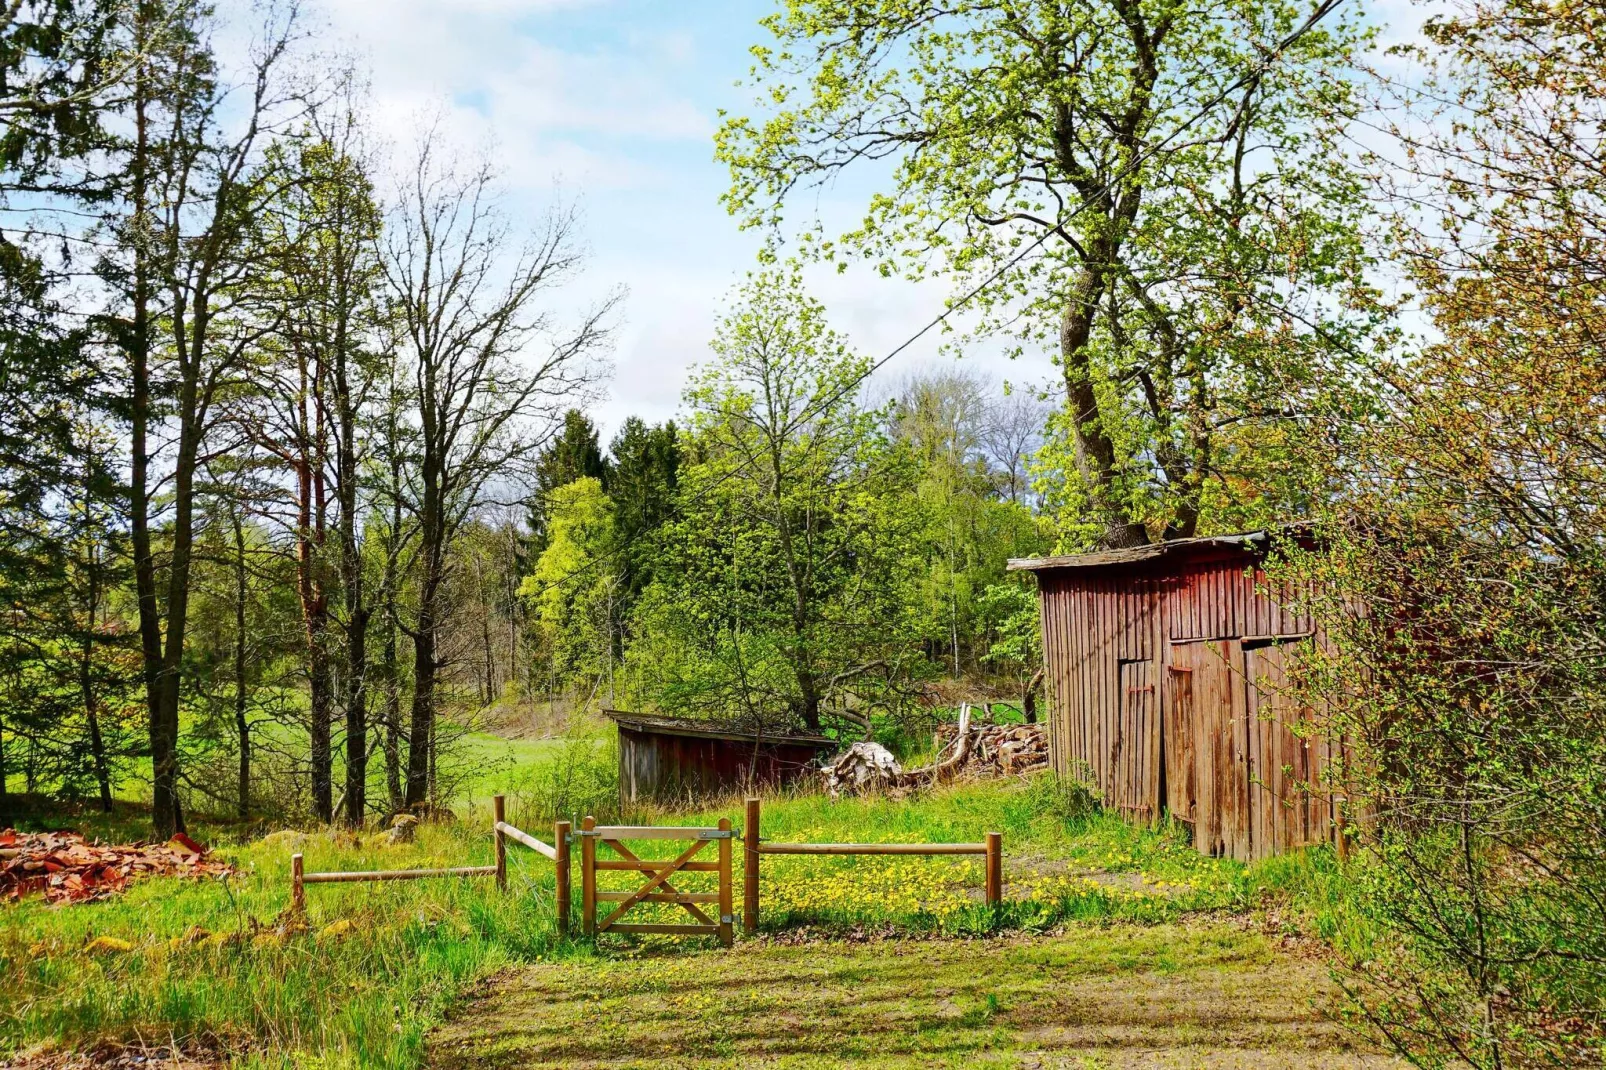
(421, 730)
(242, 726)
(164, 798)
(1029, 699)
(86, 678)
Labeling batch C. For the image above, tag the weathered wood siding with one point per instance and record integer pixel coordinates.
(1163, 677)
(664, 768)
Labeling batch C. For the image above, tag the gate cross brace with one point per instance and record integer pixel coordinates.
(630, 856)
(653, 885)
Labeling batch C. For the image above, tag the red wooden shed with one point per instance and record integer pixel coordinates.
(680, 759)
(1164, 665)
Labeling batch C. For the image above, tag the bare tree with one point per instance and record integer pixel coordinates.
(494, 370)
(1011, 431)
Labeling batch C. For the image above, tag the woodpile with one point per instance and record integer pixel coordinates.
(68, 869)
(1000, 749)
(970, 748)
(863, 767)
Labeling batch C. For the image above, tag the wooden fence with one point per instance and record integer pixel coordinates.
(657, 888)
(755, 848)
(501, 831)
(657, 872)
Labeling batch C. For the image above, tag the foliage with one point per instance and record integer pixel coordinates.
(1473, 538)
(380, 964)
(787, 568)
(574, 586)
(1157, 190)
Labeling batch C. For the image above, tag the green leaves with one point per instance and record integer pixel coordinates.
(1159, 191)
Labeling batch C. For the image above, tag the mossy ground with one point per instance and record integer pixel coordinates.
(1123, 995)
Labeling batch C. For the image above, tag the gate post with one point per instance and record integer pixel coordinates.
(726, 906)
(588, 875)
(298, 890)
(995, 868)
(560, 843)
(499, 815)
(750, 842)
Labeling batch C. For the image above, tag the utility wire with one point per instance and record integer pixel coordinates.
(1269, 56)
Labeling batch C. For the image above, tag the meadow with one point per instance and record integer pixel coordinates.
(221, 969)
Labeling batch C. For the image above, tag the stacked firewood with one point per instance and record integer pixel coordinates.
(999, 749)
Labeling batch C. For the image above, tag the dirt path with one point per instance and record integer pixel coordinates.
(1095, 997)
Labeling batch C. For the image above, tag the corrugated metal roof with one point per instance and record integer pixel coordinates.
(706, 729)
(1248, 540)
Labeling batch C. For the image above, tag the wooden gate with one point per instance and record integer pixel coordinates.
(657, 871)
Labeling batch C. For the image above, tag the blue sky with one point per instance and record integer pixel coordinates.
(613, 104)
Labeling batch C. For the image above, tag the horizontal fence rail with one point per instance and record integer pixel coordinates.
(520, 836)
(755, 848)
(872, 848)
(500, 830)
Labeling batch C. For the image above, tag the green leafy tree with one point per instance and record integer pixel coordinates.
(783, 597)
(1155, 189)
(574, 585)
(575, 452)
(644, 472)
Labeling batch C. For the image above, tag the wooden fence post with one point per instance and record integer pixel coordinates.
(726, 905)
(298, 890)
(995, 868)
(588, 875)
(560, 841)
(750, 841)
(499, 812)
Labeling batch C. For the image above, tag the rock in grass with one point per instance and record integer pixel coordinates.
(288, 839)
(403, 828)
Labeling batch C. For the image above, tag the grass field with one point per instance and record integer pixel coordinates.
(220, 967)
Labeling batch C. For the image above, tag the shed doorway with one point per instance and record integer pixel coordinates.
(1237, 763)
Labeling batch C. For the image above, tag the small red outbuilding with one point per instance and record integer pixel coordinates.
(1165, 667)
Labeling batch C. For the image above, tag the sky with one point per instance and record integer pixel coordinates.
(612, 105)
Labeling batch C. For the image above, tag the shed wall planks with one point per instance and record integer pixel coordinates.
(1162, 678)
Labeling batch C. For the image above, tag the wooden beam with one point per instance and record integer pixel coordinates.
(667, 930)
(726, 907)
(560, 836)
(527, 840)
(499, 815)
(750, 841)
(872, 848)
(995, 868)
(649, 832)
(588, 877)
(682, 898)
(397, 874)
(653, 865)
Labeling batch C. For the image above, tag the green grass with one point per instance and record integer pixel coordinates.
(220, 963)
(1197, 995)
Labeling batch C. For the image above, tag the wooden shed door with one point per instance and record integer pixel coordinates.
(1208, 692)
(1135, 752)
(1288, 803)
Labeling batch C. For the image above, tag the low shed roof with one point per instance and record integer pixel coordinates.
(699, 728)
(1253, 541)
